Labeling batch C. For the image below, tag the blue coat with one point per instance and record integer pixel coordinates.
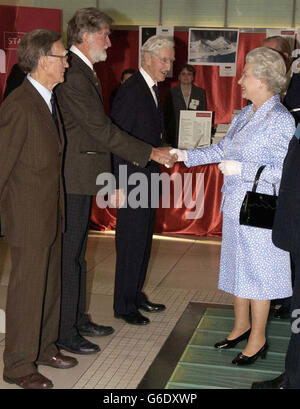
(251, 266)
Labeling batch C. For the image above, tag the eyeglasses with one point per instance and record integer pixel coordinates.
(165, 60)
(62, 57)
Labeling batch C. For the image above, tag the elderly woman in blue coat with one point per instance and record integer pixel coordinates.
(251, 267)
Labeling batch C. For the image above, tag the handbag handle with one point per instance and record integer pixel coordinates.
(258, 173)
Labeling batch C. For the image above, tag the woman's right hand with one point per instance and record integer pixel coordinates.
(230, 167)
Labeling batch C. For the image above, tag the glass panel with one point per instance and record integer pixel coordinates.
(208, 13)
(297, 14)
(258, 13)
(68, 7)
(131, 12)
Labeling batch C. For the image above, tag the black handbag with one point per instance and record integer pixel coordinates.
(258, 209)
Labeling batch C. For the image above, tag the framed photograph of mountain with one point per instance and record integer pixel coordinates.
(212, 47)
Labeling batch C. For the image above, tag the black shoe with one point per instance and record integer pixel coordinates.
(282, 313)
(78, 345)
(241, 359)
(277, 383)
(151, 307)
(90, 329)
(231, 343)
(134, 318)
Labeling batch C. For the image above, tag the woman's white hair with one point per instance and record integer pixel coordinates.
(268, 66)
(156, 43)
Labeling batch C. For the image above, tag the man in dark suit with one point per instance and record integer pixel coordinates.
(291, 100)
(91, 137)
(32, 206)
(286, 236)
(137, 110)
(185, 96)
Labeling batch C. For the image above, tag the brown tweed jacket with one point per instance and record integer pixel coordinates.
(31, 186)
(90, 134)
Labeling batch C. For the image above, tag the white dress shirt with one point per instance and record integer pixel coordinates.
(43, 91)
(79, 54)
(149, 82)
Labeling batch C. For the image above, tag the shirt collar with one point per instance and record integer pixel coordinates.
(147, 78)
(266, 107)
(43, 91)
(79, 54)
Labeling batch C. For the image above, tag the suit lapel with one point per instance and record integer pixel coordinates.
(74, 60)
(180, 102)
(145, 91)
(41, 107)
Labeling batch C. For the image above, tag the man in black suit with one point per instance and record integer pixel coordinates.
(290, 101)
(137, 110)
(185, 96)
(90, 137)
(286, 236)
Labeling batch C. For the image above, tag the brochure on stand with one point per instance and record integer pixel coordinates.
(194, 129)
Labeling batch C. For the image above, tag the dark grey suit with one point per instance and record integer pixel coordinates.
(91, 136)
(286, 236)
(174, 103)
(135, 111)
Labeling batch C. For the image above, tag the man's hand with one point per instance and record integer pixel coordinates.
(163, 156)
(117, 199)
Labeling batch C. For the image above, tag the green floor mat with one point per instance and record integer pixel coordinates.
(202, 366)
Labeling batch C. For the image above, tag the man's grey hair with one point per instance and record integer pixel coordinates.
(34, 45)
(156, 43)
(268, 66)
(89, 19)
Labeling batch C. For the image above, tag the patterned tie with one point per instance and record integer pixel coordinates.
(97, 81)
(159, 107)
(53, 111)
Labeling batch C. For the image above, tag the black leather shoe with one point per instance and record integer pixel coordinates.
(242, 359)
(151, 307)
(134, 318)
(231, 343)
(90, 329)
(78, 345)
(277, 383)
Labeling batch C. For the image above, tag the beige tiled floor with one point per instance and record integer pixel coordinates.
(182, 269)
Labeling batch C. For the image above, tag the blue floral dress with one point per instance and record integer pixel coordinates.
(251, 266)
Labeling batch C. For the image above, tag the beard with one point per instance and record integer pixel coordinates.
(98, 55)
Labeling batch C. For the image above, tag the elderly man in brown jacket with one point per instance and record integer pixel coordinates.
(32, 206)
(91, 137)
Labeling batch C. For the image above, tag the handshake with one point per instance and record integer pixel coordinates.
(168, 156)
